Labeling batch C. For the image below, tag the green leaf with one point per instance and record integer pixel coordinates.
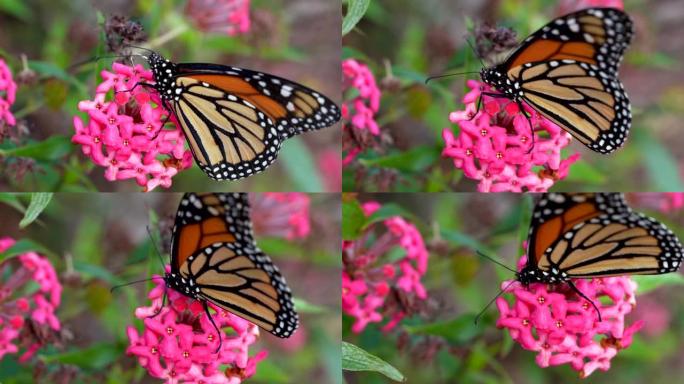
(91, 358)
(458, 331)
(585, 173)
(413, 160)
(662, 165)
(301, 166)
(353, 219)
(39, 201)
(23, 246)
(95, 271)
(649, 283)
(355, 11)
(16, 8)
(356, 359)
(304, 306)
(50, 149)
(463, 240)
(13, 201)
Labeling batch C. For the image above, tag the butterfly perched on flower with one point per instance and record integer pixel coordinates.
(568, 72)
(214, 258)
(595, 235)
(236, 119)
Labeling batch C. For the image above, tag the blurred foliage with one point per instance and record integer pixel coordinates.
(97, 241)
(430, 38)
(61, 40)
(444, 345)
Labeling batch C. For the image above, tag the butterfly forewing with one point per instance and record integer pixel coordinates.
(216, 259)
(598, 235)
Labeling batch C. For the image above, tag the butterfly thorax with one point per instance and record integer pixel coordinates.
(497, 78)
(164, 72)
(531, 274)
(182, 285)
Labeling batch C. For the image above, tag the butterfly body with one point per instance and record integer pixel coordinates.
(214, 259)
(236, 119)
(567, 71)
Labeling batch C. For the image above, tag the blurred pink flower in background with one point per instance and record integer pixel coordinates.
(368, 277)
(569, 6)
(359, 112)
(281, 214)
(666, 202)
(179, 343)
(564, 328)
(127, 135)
(38, 305)
(8, 92)
(330, 166)
(229, 17)
(655, 315)
(493, 146)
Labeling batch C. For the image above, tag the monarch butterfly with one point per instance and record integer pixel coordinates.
(594, 235)
(236, 119)
(214, 258)
(568, 72)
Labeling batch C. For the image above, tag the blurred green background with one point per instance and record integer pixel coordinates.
(96, 241)
(405, 41)
(295, 39)
(445, 346)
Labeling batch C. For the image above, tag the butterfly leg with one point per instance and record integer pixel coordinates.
(529, 121)
(218, 332)
(136, 86)
(162, 306)
(574, 288)
(479, 101)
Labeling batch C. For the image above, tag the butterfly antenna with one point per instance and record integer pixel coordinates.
(472, 47)
(218, 332)
(574, 288)
(448, 75)
(497, 262)
(154, 244)
(130, 283)
(501, 292)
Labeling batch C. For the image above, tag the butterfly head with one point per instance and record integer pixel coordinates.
(164, 72)
(497, 78)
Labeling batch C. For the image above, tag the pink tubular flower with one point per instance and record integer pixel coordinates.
(127, 135)
(281, 214)
(18, 273)
(493, 146)
(179, 343)
(8, 92)
(666, 202)
(563, 327)
(230, 17)
(359, 112)
(368, 280)
(331, 168)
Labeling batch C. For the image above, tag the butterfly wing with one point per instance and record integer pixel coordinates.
(567, 71)
(236, 119)
(214, 251)
(598, 235)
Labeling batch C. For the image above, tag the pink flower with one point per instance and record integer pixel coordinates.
(564, 328)
(8, 92)
(281, 214)
(230, 17)
(493, 146)
(331, 168)
(127, 135)
(569, 6)
(666, 202)
(19, 274)
(369, 278)
(359, 112)
(179, 343)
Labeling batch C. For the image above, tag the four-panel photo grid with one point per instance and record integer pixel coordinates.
(341, 191)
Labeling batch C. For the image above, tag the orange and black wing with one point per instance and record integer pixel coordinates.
(237, 119)
(213, 248)
(597, 235)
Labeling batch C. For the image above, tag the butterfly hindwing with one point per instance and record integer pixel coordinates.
(216, 259)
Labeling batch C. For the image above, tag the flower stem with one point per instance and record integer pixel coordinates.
(168, 36)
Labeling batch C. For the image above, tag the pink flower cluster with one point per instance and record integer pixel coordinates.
(367, 280)
(493, 145)
(8, 92)
(179, 343)
(564, 328)
(230, 17)
(330, 166)
(39, 306)
(666, 202)
(127, 135)
(359, 112)
(281, 214)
